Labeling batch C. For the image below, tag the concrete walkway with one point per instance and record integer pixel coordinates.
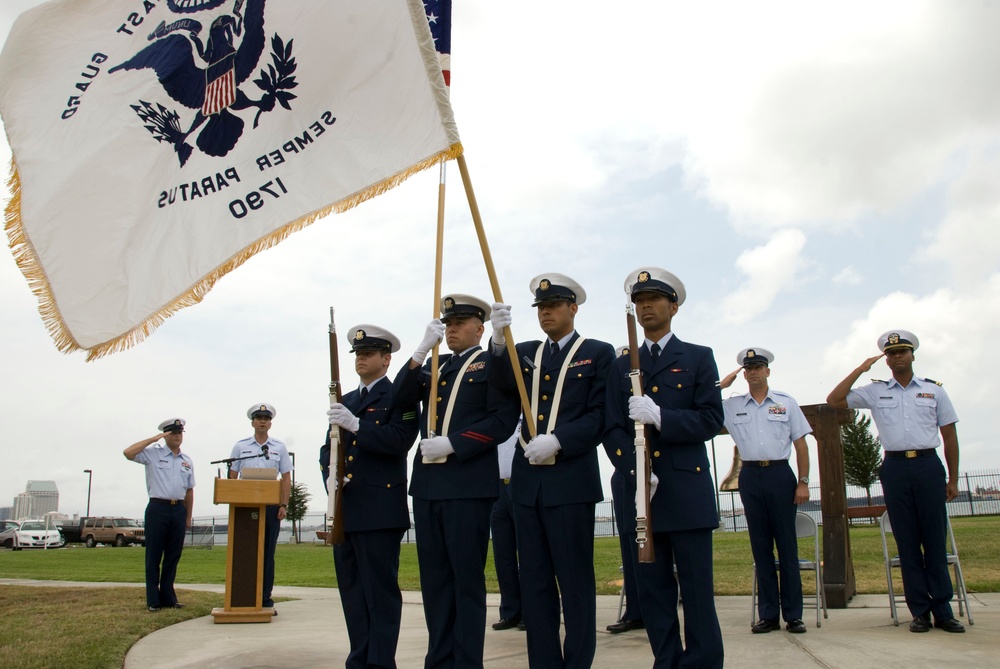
(310, 632)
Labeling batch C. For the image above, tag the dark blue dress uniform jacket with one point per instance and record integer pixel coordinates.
(482, 418)
(575, 477)
(375, 496)
(683, 385)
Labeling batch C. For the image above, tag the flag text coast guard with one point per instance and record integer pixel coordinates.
(159, 144)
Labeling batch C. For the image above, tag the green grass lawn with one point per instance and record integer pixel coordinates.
(86, 628)
(312, 564)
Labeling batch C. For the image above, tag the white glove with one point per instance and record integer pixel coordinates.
(644, 410)
(499, 319)
(340, 415)
(436, 447)
(432, 336)
(541, 448)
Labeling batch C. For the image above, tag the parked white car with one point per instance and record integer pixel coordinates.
(8, 528)
(33, 534)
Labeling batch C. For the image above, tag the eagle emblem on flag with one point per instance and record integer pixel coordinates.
(211, 88)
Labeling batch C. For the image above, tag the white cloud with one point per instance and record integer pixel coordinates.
(848, 276)
(769, 269)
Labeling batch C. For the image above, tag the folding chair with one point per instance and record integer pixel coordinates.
(805, 527)
(893, 562)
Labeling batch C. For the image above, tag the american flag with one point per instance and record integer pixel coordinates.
(439, 19)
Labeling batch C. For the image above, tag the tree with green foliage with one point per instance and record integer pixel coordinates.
(862, 453)
(298, 505)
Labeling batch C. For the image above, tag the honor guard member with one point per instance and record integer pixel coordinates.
(682, 405)
(454, 480)
(260, 451)
(765, 424)
(375, 515)
(909, 412)
(631, 617)
(170, 483)
(505, 541)
(555, 480)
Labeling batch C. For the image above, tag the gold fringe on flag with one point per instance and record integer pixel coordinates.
(30, 266)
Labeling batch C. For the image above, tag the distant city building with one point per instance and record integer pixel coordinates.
(38, 499)
(44, 497)
(22, 506)
(6, 513)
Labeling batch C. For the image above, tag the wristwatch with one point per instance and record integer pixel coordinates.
(285, 506)
(804, 479)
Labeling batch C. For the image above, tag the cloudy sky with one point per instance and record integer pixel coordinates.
(815, 173)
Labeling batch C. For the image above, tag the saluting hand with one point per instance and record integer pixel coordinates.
(867, 364)
(728, 380)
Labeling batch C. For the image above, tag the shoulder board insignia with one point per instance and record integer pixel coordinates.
(578, 363)
(879, 381)
(937, 383)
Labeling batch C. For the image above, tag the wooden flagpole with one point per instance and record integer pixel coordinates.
(438, 263)
(491, 271)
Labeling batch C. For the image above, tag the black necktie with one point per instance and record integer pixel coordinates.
(364, 393)
(655, 352)
(553, 348)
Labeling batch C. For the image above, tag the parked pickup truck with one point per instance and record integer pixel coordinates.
(114, 531)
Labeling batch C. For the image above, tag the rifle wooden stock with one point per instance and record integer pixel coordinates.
(643, 466)
(338, 442)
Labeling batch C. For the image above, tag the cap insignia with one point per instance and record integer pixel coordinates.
(449, 303)
(359, 335)
(544, 284)
(894, 338)
(643, 276)
(751, 353)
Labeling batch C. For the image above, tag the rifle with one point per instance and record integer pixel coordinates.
(338, 440)
(643, 467)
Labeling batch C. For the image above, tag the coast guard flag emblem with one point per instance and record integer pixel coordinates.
(160, 145)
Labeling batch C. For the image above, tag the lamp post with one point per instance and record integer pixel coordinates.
(90, 478)
(291, 454)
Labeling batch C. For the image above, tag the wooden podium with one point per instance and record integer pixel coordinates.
(247, 502)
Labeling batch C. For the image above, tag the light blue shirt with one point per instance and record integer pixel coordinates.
(168, 476)
(765, 431)
(277, 455)
(907, 418)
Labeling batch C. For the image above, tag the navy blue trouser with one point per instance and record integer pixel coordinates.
(164, 527)
(768, 495)
(505, 554)
(367, 565)
(658, 591)
(556, 543)
(453, 537)
(272, 526)
(915, 496)
(625, 539)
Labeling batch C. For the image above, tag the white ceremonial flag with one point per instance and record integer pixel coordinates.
(159, 144)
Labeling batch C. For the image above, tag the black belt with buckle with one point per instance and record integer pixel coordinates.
(763, 463)
(918, 453)
(505, 481)
(171, 502)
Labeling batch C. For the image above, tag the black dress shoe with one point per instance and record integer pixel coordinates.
(154, 609)
(177, 605)
(506, 623)
(796, 626)
(765, 626)
(950, 625)
(626, 625)
(521, 627)
(920, 624)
